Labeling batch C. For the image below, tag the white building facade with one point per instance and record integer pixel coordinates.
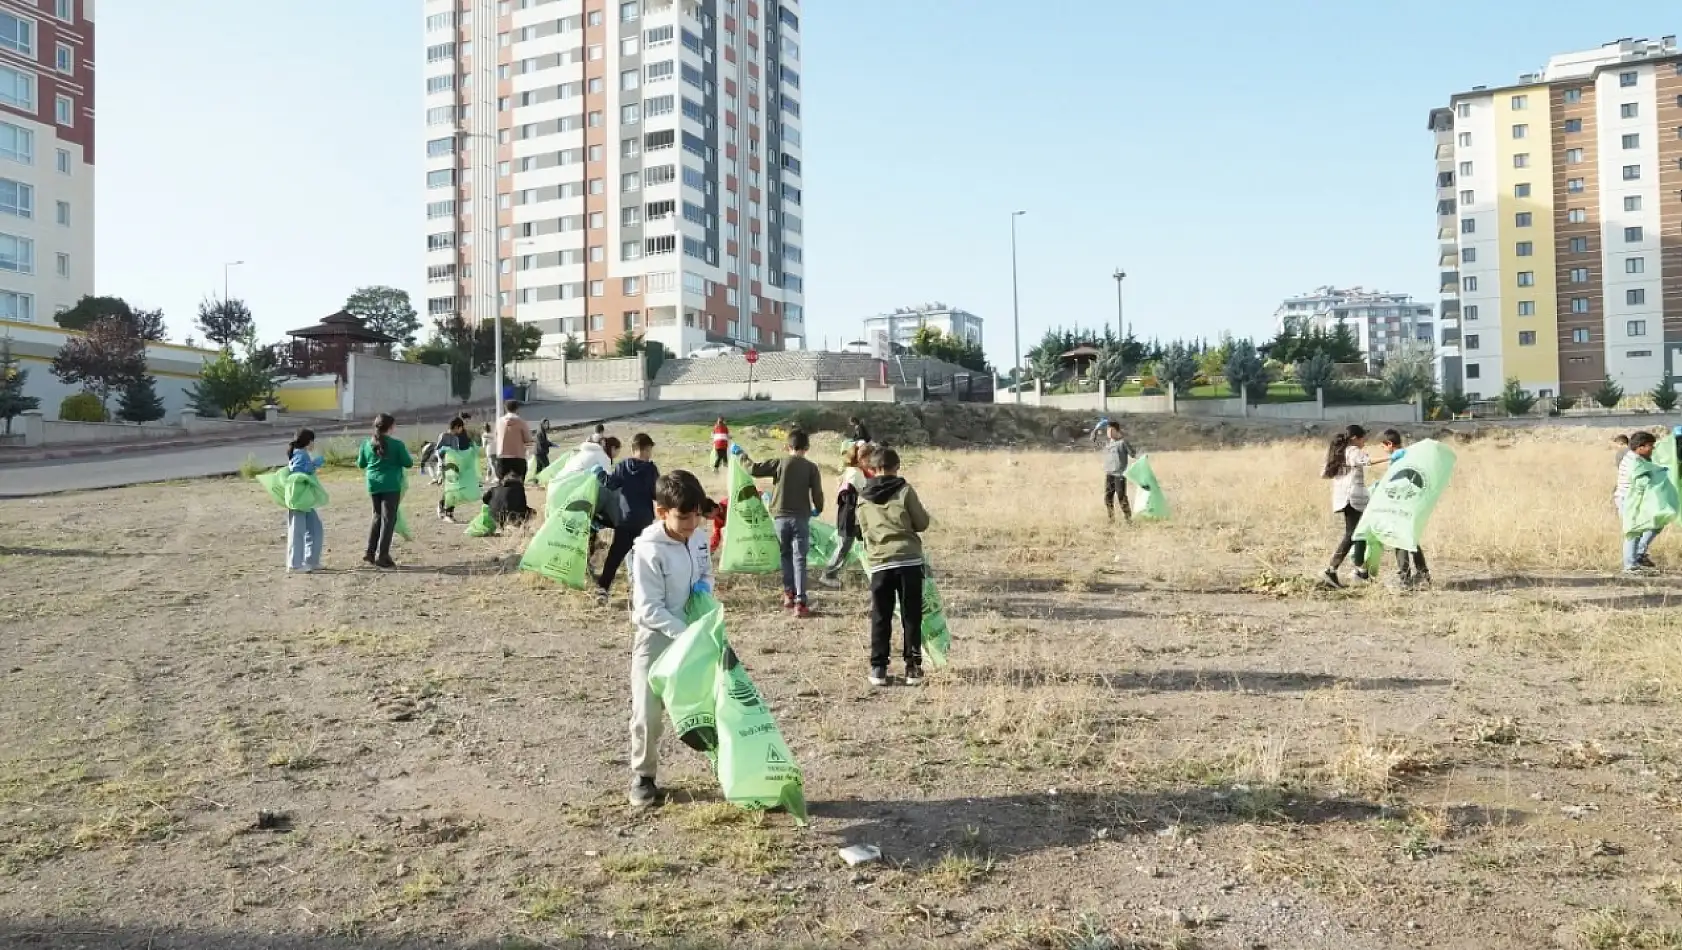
(1383, 323)
(611, 168)
(901, 325)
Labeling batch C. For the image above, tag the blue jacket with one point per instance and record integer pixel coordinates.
(302, 462)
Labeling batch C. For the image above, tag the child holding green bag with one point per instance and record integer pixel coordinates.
(383, 459)
(305, 535)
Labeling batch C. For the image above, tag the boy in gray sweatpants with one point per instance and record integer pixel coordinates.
(1118, 454)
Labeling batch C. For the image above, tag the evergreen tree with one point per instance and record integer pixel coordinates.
(12, 377)
(139, 402)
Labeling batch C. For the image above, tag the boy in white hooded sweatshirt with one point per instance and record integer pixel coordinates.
(669, 561)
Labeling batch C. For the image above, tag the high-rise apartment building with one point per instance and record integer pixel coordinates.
(46, 157)
(601, 168)
(1383, 324)
(1560, 224)
(901, 326)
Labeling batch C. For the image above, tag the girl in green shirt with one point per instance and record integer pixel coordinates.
(383, 460)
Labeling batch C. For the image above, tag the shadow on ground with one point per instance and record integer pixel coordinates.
(1564, 581)
(61, 552)
(101, 935)
(1192, 681)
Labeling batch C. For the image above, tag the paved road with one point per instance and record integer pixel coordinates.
(114, 471)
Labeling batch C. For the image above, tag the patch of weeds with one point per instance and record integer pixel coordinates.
(1612, 929)
(1274, 583)
(1371, 765)
(1586, 754)
(251, 467)
(1502, 731)
(719, 815)
(755, 851)
(1666, 890)
(127, 825)
(628, 868)
(297, 756)
(549, 901)
(425, 886)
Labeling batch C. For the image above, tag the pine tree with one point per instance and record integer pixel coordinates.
(139, 402)
(12, 378)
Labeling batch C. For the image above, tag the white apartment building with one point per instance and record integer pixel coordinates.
(46, 157)
(902, 324)
(603, 168)
(1382, 322)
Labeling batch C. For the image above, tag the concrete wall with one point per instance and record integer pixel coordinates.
(581, 380)
(798, 390)
(68, 433)
(376, 385)
(176, 368)
(311, 396)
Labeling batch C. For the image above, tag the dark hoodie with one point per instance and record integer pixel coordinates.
(507, 502)
(634, 480)
(891, 518)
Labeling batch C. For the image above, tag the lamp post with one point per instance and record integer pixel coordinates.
(483, 179)
(1016, 303)
(225, 277)
(1120, 326)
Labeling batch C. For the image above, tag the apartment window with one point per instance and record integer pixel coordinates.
(65, 59)
(64, 111)
(1626, 80)
(17, 144)
(632, 286)
(17, 34)
(17, 199)
(1465, 139)
(1466, 197)
(595, 18)
(630, 79)
(1630, 110)
(1579, 334)
(1525, 249)
(1470, 284)
(64, 214)
(443, 146)
(1573, 156)
(1521, 160)
(1520, 131)
(1579, 275)
(1468, 226)
(1636, 297)
(67, 10)
(630, 250)
(1527, 308)
(597, 220)
(1638, 354)
(630, 114)
(1472, 341)
(598, 321)
(1580, 305)
(1632, 140)
(1635, 328)
(17, 254)
(1466, 167)
(1473, 371)
(1527, 338)
(1573, 126)
(1527, 278)
(631, 147)
(1632, 235)
(17, 307)
(1635, 265)
(629, 46)
(1575, 186)
(598, 186)
(17, 89)
(64, 265)
(1522, 219)
(1572, 96)
(629, 12)
(630, 181)
(1468, 255)
(1521, 190)
(1578, 245)
(440, 52)
(1576, 215)
(630, 217)
(1470, 313)
(661, 71)
(441, 178)
(1520, 102)
(1632, 173)
(1464, 110)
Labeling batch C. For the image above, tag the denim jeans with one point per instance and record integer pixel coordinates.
(304, 539)
(794, 537)
(1635, 548)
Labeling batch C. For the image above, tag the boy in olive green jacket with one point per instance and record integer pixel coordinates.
(892, 520)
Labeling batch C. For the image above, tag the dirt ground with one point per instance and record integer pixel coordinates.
(1158, 736)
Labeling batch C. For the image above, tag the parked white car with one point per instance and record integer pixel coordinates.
(714, 350)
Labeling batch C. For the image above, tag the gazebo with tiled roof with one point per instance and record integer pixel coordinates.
(326, 346)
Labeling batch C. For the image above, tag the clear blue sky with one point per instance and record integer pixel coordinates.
(1225, 153)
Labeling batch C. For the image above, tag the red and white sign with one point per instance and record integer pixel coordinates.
(753, 357)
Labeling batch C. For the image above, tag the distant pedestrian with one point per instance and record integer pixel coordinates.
(857, 431)
(513, 443)
(1118, 454)
(721, 444)
(545, 445)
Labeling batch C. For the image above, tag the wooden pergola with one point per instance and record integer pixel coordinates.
(326, 347)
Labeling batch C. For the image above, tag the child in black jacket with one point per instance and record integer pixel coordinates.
(507, 502)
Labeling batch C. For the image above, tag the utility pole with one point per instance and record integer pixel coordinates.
(1016, 303)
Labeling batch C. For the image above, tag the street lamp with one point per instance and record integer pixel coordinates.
(1120, 326)
(487, 231)
(225, 277)
(1016, 303)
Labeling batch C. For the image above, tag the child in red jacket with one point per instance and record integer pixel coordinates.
(718, 524)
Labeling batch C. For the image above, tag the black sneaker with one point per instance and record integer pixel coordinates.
(1362, 574)
(370, 559)
(1422, 581)
(913, 676)
(385, 562)
(1647, 562)
(644, 793)
(1330, 579)
(878, 676)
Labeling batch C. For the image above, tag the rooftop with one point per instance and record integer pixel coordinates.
(1584, 64)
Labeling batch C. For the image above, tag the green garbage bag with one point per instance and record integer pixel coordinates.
(483, 525)
(401, 528)
(563, 488)
(1664, 455)
(1151, 504)
(825, 541)
(1652, 500)
(560, 550)
(1375, 556)
(275, 484)
(304, 492)
(937, 634)
(547, 473)
(461, 476)
(1403, 500)
(685, 676)
(750, 541)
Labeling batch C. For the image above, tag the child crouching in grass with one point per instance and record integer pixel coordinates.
(669, 561)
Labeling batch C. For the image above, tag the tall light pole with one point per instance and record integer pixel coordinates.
(1016, 302)
(1120, 325)
(225, 277)
(484, 179)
